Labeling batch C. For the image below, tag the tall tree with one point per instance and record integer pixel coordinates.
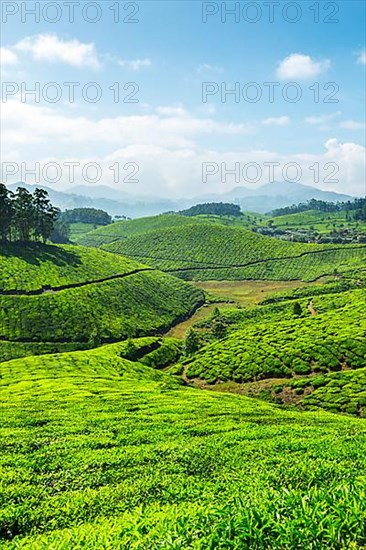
(24, 214)
(191, 343)
(6, 212)
(45, 215)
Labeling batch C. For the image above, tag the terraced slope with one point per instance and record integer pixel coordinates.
(207, 251)
(321, 221)
(32, 267)
(101, 452)
(341, 392)
(270, 342)
(66, 298)
(129, 228)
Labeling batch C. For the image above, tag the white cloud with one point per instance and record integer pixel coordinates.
(322, 119)
(206, 67)
(7, 57)
(352, 125)
(171, 127)
(276, 121)
(135, 64)
(49, 47)
(169, 149)
(207, 109)
(172, 111)
(301, 67)
(361, 60)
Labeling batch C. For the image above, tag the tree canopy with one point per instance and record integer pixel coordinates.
(26, 216)
(216, 208)
(86, 215)
(323, 206)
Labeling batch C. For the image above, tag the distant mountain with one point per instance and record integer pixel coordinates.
(59, 198)
(99, 192)
(279, 194)
(106, 198)
(116, 202)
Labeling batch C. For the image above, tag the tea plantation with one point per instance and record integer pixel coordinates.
(203, 251)
(35, 267)
(89, 297)
(270, 342)
(101, 452)
(247, 433)
(130, 228)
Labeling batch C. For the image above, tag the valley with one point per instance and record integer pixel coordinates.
(182, 382)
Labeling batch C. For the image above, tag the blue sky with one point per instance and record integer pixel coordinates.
(169, 53)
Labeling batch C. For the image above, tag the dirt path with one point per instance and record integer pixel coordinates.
(312, 309)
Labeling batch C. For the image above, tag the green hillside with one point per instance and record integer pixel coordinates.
(79, 230)
(206, 251)
(322, 221)
(66, 298)
(33, 266)
(343, 226)
(130, 228)
(101, 452)
(340, 392)
(272, 342)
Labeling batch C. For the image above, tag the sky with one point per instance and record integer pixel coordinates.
(183, 98)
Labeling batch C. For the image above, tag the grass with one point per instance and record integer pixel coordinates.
(101, 452)
(224, 293)
(180, 330)
(248, 293)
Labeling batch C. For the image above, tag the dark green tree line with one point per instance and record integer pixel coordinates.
(213, 208)
(25, 216)
(86, 215)
(357, 205)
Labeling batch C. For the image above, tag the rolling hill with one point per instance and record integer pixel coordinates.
(102, 452)
(61, 297)
(203, 251)
(272, 342)
(129, 228)
(323, 222)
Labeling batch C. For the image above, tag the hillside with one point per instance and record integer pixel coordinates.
(324, 222)
(128, 228)
(272, 342)
(56, 298)
(34, 266)
(125, 229)
(204, 251)
(102, 452)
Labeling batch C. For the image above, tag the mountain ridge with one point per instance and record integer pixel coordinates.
(263, 199)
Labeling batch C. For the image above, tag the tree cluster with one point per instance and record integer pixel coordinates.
(215, 208)
(26, 216)
(86, 215)
(323, 206)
